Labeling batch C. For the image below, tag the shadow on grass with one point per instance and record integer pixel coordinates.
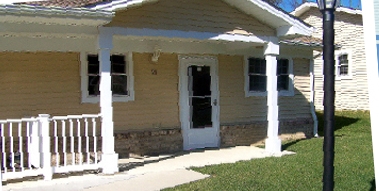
(289, 144)
(373, 185)
(339, 121)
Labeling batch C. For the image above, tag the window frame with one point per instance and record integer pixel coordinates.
(86, 98)
(349, 65)
(289, 92)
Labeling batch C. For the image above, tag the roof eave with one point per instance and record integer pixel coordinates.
(121, 4)
(308, 5)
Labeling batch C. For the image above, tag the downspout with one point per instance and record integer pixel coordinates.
(312, 98)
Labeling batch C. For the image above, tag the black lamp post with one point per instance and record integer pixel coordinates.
(327, 7)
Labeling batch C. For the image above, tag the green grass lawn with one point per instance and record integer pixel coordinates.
(354, 168)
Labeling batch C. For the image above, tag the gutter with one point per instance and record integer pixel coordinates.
(312, 99)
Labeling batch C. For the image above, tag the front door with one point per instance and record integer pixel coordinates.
(199, 110)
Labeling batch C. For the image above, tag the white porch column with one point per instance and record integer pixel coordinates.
(109, 158)
(273, 143)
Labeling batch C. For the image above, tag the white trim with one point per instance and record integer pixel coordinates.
(121, 4)
(289, 92)
(249, 93)
(291, 84)
(312, 96)
(184, 62)
(338, 53)
(85, 98)
(144, 32)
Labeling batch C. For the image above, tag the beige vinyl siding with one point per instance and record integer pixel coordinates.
(191, 15)
(297, 106)
(43, 82)
(234, 106)
(46, 82)
(351, 94)
(156, 96)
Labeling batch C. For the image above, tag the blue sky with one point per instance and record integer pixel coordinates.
(346, 3)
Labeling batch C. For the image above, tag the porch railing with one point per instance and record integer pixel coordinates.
(46, 145)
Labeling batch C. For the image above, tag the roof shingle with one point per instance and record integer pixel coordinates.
(66, 3)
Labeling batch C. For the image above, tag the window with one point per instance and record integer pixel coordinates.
(256, 78)
(343, 67)
(121, 78)
(282, 72)
(257, 75)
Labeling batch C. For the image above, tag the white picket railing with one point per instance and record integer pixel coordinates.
(44, 146)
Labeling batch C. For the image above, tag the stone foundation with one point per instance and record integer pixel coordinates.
(159, 141)
(148, 142)
(296, 129)
(255, 134)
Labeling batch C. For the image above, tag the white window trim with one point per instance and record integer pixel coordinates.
(349, 57)
(86, 98)
(289, 92)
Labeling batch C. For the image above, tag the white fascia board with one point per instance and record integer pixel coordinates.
(121, 4)
(183, 34)
(308, 5)
(272, 16)
(292, 30)
(26, 13)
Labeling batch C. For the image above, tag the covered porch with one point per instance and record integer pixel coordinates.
(155, 64)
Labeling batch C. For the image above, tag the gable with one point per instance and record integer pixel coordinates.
(191, 15)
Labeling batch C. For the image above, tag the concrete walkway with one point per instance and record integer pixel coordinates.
(148, 173)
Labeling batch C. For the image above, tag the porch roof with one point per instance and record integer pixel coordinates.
(303, 41)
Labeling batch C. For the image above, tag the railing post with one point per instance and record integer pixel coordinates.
(33, 147)
(44, 130)
(1, 179)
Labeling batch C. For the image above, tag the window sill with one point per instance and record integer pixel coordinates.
(343, 78)
(96, 99)
(255, 94)
(260, 94)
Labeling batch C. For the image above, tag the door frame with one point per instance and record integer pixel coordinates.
(184, 62)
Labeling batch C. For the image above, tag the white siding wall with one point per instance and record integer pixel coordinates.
(351, 94)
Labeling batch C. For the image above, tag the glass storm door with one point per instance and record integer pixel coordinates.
(200, 124)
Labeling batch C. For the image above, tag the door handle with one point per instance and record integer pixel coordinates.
(215, 102)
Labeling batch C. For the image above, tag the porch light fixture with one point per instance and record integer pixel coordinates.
(156, 54)
(327, 8)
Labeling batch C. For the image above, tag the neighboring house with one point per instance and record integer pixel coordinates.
(350, 68)
(185, 74)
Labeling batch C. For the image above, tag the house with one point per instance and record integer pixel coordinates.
(350, 69)
(175, 74)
